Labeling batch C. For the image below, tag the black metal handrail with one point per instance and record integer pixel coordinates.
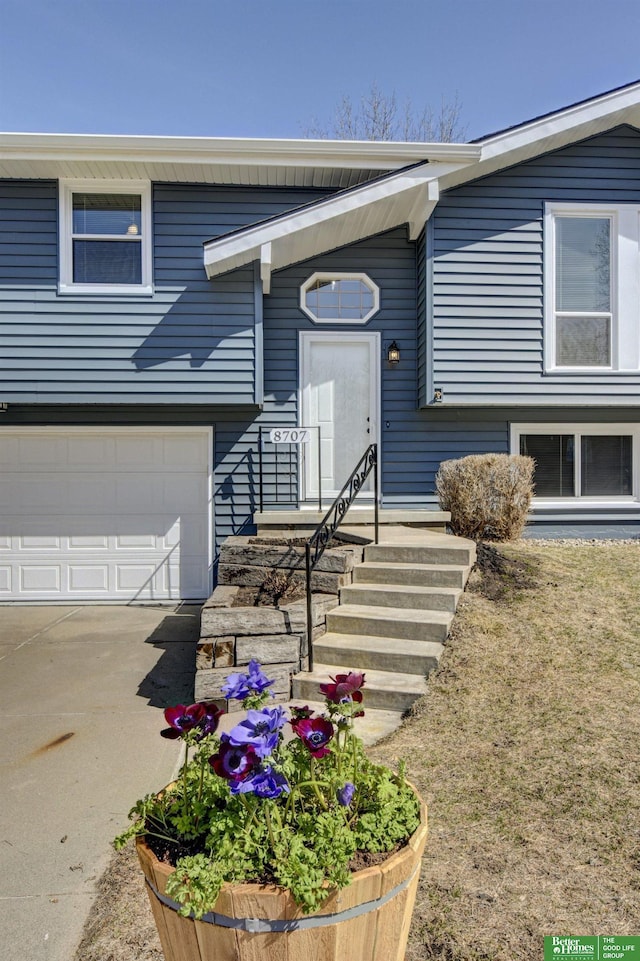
(264, 428)
(315, 546)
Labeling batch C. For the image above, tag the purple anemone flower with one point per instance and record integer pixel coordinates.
(345, 794)
(236, 686)
(264, 783)
(182, 719)
(257, 679)
(240, 686)
(315, 733)
(261, 729)
(232, 762)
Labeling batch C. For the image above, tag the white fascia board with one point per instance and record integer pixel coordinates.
(553, 132)
(408, 189)
(593, 111)
(383, 155)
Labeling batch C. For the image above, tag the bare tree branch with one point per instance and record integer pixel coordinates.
(378, 116)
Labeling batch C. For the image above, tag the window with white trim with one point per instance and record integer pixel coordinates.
(592, 287)
(339, 298)
(105, 237)
(585, 463)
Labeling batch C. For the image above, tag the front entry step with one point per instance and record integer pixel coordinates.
(393, 619)
(393, 654)
(396, 622)
(414, 575)
(385, 690)
(402, 596)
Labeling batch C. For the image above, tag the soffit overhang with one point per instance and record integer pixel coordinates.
(220, 160)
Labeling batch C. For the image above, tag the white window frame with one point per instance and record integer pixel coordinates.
(68, 188)
(625, 285)
(577, 431)
(340, 275)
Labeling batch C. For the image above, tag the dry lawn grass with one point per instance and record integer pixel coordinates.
(527, 749)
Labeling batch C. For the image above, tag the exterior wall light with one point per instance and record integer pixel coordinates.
(393, 353)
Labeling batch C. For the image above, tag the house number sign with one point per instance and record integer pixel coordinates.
(289, 435)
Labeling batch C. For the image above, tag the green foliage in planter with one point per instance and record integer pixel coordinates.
(249, 807)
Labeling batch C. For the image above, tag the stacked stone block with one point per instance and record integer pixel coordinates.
(231, 636)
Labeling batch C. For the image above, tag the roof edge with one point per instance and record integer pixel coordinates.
(615, 99)
(239, 150)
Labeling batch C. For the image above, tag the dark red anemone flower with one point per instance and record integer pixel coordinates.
(344, 687)
(298, 713)
(182, 719)
(315, 733)
(234, 762)
(211, 719)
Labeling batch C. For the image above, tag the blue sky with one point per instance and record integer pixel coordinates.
(265, 68)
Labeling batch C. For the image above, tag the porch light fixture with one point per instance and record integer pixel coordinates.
(393, 353)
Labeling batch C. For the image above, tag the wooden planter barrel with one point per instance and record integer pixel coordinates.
(366, 921)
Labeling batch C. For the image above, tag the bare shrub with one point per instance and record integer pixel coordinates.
(488, 495)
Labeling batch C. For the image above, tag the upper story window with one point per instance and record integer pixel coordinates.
(105, 237)
(340, 298)
(592, 286)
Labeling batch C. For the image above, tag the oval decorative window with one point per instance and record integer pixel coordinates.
(339, 298)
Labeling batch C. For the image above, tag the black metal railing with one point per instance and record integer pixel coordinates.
(285, 470)
(315, 546)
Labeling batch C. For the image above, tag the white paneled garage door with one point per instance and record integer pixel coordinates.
(104, 515)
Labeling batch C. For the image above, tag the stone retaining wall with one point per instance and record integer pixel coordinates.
(231, 636)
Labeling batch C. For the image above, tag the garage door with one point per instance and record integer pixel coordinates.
(113, 514)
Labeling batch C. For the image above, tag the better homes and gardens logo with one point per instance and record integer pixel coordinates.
(595, 949)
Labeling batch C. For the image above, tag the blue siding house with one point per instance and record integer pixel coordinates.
(165, 303)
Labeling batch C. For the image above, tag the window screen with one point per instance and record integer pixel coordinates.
(554, 463)
(606, 465)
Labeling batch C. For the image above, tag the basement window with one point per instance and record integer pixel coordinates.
(588, 463)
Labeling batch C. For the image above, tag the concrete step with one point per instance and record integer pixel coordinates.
(404, 596)
(375, 724)
(441, 551)
(360, 652)
(385, 690)
(389, 622)
(416, 575)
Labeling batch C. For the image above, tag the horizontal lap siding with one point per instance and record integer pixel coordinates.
(193, 341)
(487, 276)
(410, 461)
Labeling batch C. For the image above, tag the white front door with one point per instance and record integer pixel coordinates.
(339, 395)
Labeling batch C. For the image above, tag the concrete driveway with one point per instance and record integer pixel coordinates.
(81, 692)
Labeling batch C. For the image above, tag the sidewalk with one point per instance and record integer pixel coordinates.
(82, 691)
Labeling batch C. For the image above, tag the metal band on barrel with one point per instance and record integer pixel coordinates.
(264, 926)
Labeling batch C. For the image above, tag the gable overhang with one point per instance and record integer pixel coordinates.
(551, 132)
(406, 197)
